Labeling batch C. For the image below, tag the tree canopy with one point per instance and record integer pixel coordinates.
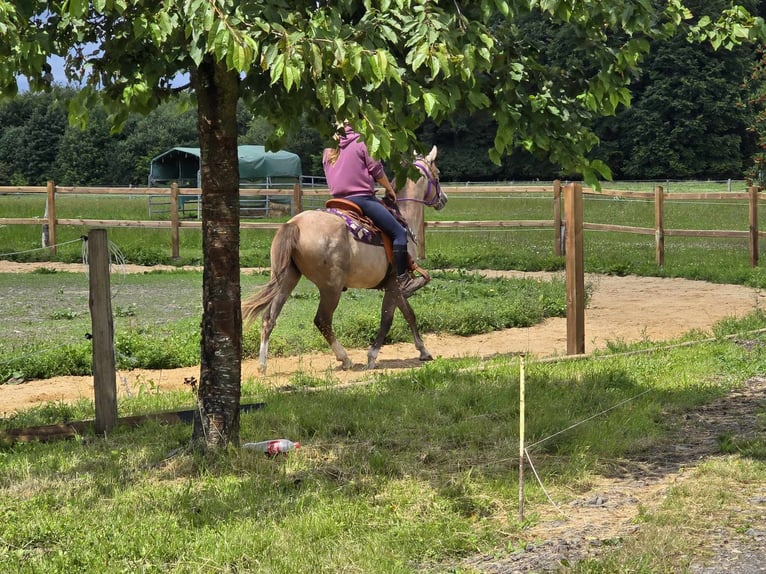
(392, 64)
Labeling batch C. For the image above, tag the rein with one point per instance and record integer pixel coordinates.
(430, 199)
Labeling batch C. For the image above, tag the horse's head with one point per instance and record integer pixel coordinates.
(431, 193)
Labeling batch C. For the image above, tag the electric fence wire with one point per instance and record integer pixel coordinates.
(13, 253)
(590, 418)
(117, 258)
(38, 352)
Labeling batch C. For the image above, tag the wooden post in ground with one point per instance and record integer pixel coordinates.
(422, 238)
(558, 233)
(297, 199)
(175, 250)
(49, 227)
(754, 255)
(659, 226)
(102, 326)
(575, 276)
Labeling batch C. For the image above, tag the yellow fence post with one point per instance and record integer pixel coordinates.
(753, 191)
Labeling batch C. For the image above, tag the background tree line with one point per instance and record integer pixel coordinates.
(696, 113)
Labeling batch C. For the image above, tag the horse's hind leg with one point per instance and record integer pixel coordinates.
(391, 300)
(287, 283)
(387, 310)
(328, 302)
(409, 316)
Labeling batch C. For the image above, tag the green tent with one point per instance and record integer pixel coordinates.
(257, 167)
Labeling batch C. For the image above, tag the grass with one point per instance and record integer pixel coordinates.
(412, 472)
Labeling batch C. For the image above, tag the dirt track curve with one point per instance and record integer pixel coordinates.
(625, 309)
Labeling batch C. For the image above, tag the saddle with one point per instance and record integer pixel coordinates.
(363, 229)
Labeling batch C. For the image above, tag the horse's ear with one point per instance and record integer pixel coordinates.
(431, 157)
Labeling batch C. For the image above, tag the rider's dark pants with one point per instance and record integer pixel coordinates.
(381, 217)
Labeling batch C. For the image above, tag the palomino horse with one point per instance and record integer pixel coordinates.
(318, 245)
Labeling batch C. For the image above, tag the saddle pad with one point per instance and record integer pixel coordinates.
(361, 228)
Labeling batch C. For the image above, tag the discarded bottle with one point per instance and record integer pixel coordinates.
(272, 447)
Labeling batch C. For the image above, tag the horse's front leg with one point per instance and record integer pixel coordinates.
(328, 302)
(387, 310)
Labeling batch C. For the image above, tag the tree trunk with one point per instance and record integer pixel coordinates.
(217, 423)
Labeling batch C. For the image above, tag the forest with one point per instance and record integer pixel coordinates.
(696, 113)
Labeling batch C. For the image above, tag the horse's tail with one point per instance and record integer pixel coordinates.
(285, 241)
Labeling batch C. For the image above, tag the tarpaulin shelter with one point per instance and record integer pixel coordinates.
(257, 167)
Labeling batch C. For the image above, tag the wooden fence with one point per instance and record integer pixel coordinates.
(298, 194)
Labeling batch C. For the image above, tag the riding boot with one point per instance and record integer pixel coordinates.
(407, 283)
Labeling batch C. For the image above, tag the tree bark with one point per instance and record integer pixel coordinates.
(217, 422)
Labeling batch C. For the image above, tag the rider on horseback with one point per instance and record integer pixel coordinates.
(351, 174)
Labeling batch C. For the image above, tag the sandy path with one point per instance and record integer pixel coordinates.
(625, 309)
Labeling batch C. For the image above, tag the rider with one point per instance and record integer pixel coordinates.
(351, 174)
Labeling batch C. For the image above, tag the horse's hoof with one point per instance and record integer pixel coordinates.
(263, 370)
(371, 365)
(426, 356)
(346, 365)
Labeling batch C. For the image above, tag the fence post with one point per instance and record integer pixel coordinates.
(297, 199)
(753, 190)
(49, 227)
(558, 230)
(174, 222)
(575, 276)
(102, 325)
(659, 226)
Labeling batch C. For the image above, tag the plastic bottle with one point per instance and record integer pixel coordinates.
(272, 447)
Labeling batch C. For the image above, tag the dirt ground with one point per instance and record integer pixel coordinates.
(621, 309)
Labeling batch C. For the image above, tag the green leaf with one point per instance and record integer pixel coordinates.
(76, 8)
(277, 69)
(338, 96)
(478, 99)
(239, 59)
(420, 57)
(316, 61)
(430, 101)
(323, 94)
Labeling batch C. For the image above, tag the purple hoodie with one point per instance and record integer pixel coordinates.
(355, 171)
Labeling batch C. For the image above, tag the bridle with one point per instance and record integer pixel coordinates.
(434, 196)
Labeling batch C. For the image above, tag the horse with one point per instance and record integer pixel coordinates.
(318, 245)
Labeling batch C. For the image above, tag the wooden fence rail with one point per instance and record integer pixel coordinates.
(297, 195)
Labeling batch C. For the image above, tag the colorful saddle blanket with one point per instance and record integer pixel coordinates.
(359, 226)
